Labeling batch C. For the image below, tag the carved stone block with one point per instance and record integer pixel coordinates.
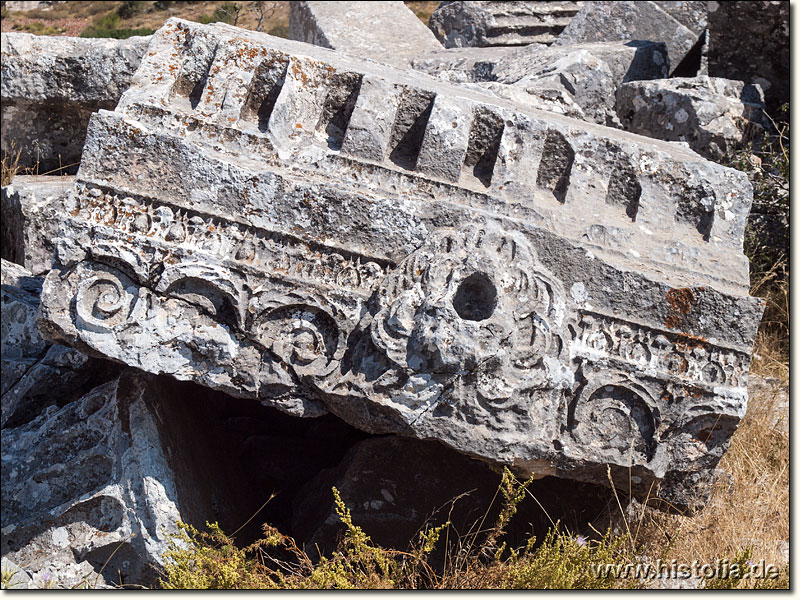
(386, 32)
(486, 24)
(51, 85)
(530, 290)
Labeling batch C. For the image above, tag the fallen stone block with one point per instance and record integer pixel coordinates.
(714, 116)
(85, 481)
(50, 87)
(386, 32)
(289, 224)
(35, 373)
(583, 72)
(629, 21)
(464, 24)
(474, 68)
(32, 207)
(691, 14)
(761, 56)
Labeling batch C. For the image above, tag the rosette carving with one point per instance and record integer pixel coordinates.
(104, 300)
(472, 310)
(304, 333)
(614, 418)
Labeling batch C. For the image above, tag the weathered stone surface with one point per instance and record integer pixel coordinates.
(35, 374)
(31, 207)
(387, 32)
(584, 73)
(50, 87)
(691, 14)
(462, 65)
(86, 480)
(462, 24)
(714, 116)
(18, 578)
(761, 55)
(629, 21)
(774, 401)
(527, 289)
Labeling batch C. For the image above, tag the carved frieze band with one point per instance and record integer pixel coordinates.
(640, 348)
(195, 233)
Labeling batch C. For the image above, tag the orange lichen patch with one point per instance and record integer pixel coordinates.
(298, 126)
(681, 365)
(680, 299)
(299, 73)
(694, 392)
(690, 342)
(674, 321)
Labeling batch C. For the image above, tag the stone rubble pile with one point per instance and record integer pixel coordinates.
(284, 265)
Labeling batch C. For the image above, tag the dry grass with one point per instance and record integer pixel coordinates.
(423, 10)
(750, 510)
(771, 350)
(10, 167)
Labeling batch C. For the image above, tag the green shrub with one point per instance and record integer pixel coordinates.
(108, 26)
(767, 233)
(38, 28)
(280, 31)
(130, 8)
(227, 13)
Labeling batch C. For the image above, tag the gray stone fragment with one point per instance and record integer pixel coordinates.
(462, 65)
(35, 374)
(386, 32)
(774, 399)
(583, 72)
(50, 87)
(17, 6)
(749, 41)
(691, 14)
(537, 292)
(714, 116)
(86, 480)
(18, 578)
(629, 21)
(32, 207)
(462, 24)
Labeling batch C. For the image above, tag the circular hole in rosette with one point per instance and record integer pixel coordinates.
(475, 298)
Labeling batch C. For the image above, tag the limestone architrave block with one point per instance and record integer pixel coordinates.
(531, 290)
